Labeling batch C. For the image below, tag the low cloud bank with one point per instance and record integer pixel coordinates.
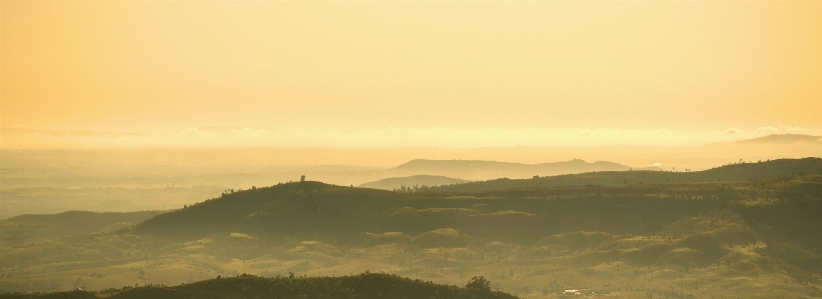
(19, 138)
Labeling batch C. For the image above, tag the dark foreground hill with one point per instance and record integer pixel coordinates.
(732, 172)
(363, 286)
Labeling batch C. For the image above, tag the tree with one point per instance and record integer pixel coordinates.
(302, 178)
(478, 283)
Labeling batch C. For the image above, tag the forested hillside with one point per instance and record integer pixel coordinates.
(363, 286)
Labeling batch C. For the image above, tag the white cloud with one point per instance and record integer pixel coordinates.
(783, 129)
(732, 131)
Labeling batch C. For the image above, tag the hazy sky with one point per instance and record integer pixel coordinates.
(433, 73)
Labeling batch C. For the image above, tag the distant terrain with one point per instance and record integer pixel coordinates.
(740, 171)
(243, 168)
(47, 200)
(756, 233)
(774, 140)
(414, 181)
(122, 180)
(483, 170)
(30, 229)
(46, 186)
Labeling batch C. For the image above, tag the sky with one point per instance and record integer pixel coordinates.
(100, 74)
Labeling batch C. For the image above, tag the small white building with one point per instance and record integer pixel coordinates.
(572, 292)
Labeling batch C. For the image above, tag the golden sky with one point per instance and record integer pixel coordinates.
(432, 73)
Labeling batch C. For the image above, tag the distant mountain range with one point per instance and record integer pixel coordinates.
(411, 181)
(774, 139)
(243, 168)
(741, 171)
(483, 170)
(421, 172)
(769, 147)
